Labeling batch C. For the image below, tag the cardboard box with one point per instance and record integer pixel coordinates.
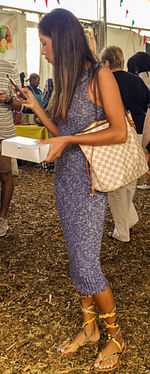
(25, 149)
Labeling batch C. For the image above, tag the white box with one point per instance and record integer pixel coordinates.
(25, 149)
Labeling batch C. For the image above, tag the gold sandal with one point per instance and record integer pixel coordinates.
(66, 344)
(111, 338)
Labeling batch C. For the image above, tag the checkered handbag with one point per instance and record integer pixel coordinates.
(114, 166)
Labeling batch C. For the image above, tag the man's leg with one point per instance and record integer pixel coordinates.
(7, 188)
(133, 216)
(123, 211)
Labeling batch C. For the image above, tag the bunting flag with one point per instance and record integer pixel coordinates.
(133, 22)
(144, 40)
(46, 2)
(121, 1)
(127, 12)
(139, 32)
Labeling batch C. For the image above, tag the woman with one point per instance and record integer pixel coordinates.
(135, 96)
(140, 64)
(146, 138)
(73, 107)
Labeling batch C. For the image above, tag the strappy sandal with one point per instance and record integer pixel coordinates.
(64, 345)
(111, 338)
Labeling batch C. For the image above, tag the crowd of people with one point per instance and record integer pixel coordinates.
(69, 110)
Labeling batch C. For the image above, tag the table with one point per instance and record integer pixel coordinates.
(32, 131)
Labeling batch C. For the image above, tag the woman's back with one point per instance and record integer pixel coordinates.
(135, 96)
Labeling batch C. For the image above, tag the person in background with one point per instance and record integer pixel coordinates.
(34, 81)
(8, 103)
(135, 96)
(89, 33)
(22, 77)
(76, 91)
(146, 140)
(140, 65)
(17, 115)
(47, 92)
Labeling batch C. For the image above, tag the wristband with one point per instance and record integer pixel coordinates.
(9, 102)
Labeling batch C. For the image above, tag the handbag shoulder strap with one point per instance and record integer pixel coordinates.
(96, 84)
(94, 126)
(130, 119)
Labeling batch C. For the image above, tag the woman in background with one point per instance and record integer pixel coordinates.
(140, 64)
(146, 138)
(135, 96)
(34, 81)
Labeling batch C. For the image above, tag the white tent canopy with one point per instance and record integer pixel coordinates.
(130, 36)
(81, 8)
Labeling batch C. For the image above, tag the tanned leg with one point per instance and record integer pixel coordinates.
(106, 305)
(89, 332)
(7, 187)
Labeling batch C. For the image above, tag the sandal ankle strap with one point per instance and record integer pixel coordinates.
(87, 310)
(108, 315)
(113, 325)
(112, 337)
(87, 322)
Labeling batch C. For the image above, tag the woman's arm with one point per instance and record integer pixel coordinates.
(146, 129)
(146, 138)
(113, 107)
(33, 104)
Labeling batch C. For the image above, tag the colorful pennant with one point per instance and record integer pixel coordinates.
(46, 2)
(127, 12)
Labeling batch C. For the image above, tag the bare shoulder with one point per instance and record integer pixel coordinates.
(105, 80)
(105, 73)
(104, 70)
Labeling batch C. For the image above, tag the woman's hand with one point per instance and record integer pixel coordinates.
(57, 145)
(35, 106)
(31, 101)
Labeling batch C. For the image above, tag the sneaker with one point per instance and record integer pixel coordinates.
(144, 187)
(110, 236)
(3, 227)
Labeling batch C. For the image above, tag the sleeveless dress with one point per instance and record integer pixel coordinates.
(82, 216)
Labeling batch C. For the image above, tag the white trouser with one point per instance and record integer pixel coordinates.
(14, 166)
(123, 211)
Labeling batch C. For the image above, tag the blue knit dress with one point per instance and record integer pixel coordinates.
(82, 216)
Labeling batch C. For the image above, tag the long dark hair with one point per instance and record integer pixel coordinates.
(138, 63)
(71, 56)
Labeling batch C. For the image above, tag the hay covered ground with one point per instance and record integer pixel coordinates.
(39, 307)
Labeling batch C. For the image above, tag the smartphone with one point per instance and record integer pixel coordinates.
(16, 87)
